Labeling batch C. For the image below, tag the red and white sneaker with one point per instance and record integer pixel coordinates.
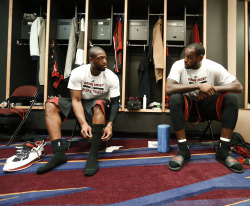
(27, 155)
(19, 148)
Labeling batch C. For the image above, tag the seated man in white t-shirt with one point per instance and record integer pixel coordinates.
(95, 93)
(202, 89)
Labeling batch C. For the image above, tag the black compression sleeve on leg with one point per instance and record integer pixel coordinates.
(177, 106)
(114, 107)
(229, 111)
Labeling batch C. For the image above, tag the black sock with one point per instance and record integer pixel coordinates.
(183, 151)
(57, 159)
(223, 152)
(92, 166)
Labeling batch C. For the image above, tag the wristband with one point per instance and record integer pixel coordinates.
(109, 126)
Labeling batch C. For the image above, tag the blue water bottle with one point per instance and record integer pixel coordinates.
(163, 135)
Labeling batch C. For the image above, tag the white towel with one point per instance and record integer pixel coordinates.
(34, 35)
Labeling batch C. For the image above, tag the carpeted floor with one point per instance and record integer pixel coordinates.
(133, 175)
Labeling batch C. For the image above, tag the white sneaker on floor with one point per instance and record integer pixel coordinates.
(18, 149)
(27, 155)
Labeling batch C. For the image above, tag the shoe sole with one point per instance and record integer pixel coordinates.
(178, 168)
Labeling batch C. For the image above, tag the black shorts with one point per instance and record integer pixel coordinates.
(66, 110)
(208, 109)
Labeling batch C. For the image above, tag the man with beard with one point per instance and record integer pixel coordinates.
(94, 99)
(202, 89)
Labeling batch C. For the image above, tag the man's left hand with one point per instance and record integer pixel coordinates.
(107, 133)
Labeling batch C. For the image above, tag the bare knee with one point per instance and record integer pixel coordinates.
(51, 108)
(98, 110)
(98, 116)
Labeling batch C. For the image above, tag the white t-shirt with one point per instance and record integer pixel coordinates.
(210, 72)
(105, 85)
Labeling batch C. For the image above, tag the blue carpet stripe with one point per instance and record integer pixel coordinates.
(120, 162)
(17, 198)
(120, 152)
(209, 202)
(143, 161)
(241, 203)
(193, 146)
(102, 154)
(231, 181)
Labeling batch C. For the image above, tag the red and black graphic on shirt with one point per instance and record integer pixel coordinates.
(200, 80)
(93, 88)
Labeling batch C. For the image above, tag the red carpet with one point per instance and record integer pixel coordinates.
(132, 175)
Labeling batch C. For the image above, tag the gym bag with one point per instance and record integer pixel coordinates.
(238, 145)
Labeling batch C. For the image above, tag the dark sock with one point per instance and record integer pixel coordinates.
(223, 152)
(183, 151)
(92, 166)
(57, 159)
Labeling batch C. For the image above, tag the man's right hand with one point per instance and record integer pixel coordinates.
(207, 89)
(86, 131)
(201, 96)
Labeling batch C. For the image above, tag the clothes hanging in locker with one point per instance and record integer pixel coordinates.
(169, 62)
(158, 50)
(80, 45)
(117, 39)
(37, 45)
(42, 39)
(143, 75)
(195, 36)
(71, 52)
(54, 66)
(34, 38)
